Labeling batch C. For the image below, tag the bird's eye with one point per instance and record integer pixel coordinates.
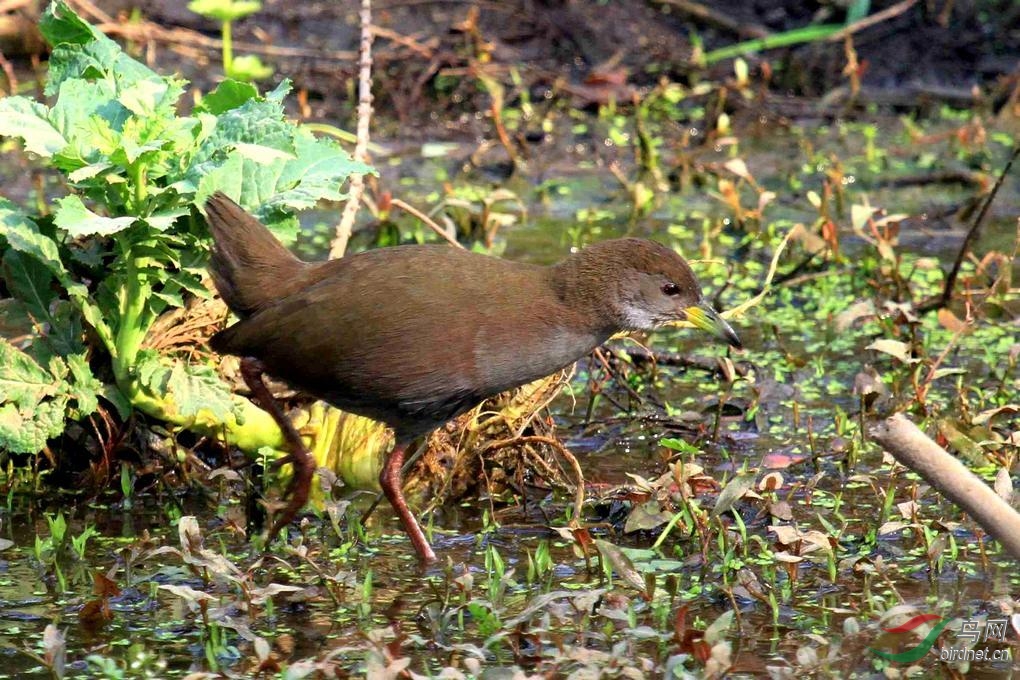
(670, 289)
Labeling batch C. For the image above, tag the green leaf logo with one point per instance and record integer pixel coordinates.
(915, 653)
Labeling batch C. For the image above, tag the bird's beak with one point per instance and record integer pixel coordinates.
(707, 319)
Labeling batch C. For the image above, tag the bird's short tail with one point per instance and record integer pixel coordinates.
(249, 266)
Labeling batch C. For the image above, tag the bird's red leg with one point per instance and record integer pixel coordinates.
(392, 485)
(304, 465)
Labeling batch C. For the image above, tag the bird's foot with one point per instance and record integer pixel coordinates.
(297, 491)
(391, 481)
(300, 486)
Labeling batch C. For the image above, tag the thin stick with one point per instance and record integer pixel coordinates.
(429, 222)
(914, 449)
(89, 8)
(357, 181)
(968, 240)
(426, 50)
(869, 21)
(719, 19)
(187, 37)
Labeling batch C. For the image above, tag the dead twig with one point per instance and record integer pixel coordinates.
(711, 17)
(89, 9)
(642, 355)
(869, 21)
(148, 31)
(426, 50)
(429, 222)
(926, 179)
(357, 181)
(968, 240)
(918, 452)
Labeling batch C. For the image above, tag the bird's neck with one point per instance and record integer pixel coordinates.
(584, 288)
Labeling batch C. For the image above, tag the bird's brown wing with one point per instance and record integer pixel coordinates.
(414, 338)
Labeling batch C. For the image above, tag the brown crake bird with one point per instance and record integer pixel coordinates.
(415, 335)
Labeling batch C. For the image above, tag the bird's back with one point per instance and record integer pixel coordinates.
(412, 335)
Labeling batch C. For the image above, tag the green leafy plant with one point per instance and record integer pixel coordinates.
(52, 550)
(248, 67)
(128, 244)
(79, 542)
(38, 392)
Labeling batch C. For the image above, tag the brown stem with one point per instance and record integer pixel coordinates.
(357, 182)
(968, 240)
(913, 448)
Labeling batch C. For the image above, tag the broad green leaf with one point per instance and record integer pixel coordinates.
(130, 152)
(29, 121)
(93, 142)
(190, 281)
(198, 388)
(279, 93)
(172, 299)
(98, 61)
(65, 334)
(263, 155)
(157, 253)
(93, 62)
(58, 369)
(92, 314)
(16, 323)
(318, 172)
(72, 216)
(22, 380)
(26, 430)
(255, 122)
(149, 97)
(228, 95)
(22, 235)
(34, 400)
(112, 394)
(88, 172)
(84, 388)
(59, 24)
(272, 167)
(162, 221)
(208, 178)
(152, 373)
(30, 281)
(80, 100)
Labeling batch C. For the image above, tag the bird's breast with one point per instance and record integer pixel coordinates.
(504, 361)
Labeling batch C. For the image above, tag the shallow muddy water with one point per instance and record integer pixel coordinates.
(360, 603)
